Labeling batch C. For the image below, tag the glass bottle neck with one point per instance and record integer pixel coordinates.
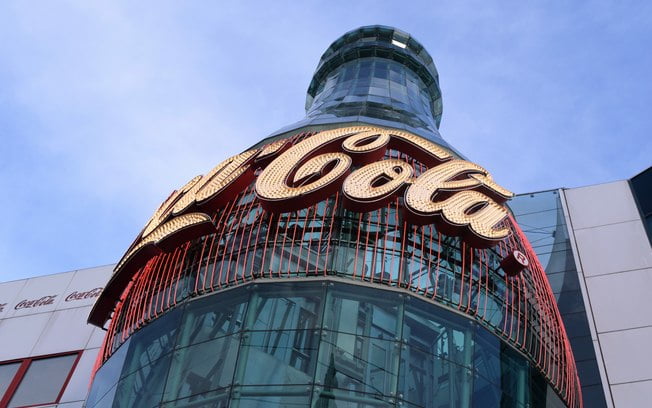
(377, 89)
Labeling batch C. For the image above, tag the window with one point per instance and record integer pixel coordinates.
(36, 380)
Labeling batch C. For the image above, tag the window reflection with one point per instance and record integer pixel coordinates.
(202, 367)
(279, 357)
(358, 364)
(206, 319)
(317, 344)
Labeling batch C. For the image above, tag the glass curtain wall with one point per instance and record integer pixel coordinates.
(541, 216)
(320, 344)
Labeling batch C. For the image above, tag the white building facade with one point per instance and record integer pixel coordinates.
(47, 351)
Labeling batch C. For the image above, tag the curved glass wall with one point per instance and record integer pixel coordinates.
(320, 344)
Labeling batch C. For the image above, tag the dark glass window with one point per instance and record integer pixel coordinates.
(43, 381)
(358, 364)
(286, 307)
(359, 311)
(642, 188)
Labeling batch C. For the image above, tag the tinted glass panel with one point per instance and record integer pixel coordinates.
(437, 332)
(279, 357)
(43, 381)
(153, 341)
(143, 387)
(107, 376)
(212, 399)
(294, 309)
(358, 364)
(201, 368)
(7, 372)
(642, 189)
(209, 318)
(429, 381)
(360, 311)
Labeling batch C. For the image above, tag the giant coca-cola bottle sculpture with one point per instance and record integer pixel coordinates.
(352, 259)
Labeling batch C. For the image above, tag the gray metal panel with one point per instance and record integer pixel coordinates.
(96, 339)
(632, 395)
(39, 288)
(621, 300)
(627, 354)
(77, 387)
(66, 330)
(601, 204)
(19, 335)
(8, 293)
(84, 281)
(613, 248)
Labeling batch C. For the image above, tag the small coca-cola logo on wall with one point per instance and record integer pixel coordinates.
(44, 301)
(93, 293)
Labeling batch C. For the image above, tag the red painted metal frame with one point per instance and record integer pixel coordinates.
(22, 370)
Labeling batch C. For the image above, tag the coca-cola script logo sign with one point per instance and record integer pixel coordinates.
(43, 301)
(93, 293)
(458, 196)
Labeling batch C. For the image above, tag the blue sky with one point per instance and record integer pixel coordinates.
(105, 107)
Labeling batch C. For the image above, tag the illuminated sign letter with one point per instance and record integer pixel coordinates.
(287, 185)
(444, 195)
(375, 184)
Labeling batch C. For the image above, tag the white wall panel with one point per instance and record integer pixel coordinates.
(613, 248)
(627, 355)
(66, 330)
(621, 300)
(601, 204)
(19, 335)
(8, 293)
(84, 281)
(97, 337)
(632, 395)
(78, 386)
(43, 286)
